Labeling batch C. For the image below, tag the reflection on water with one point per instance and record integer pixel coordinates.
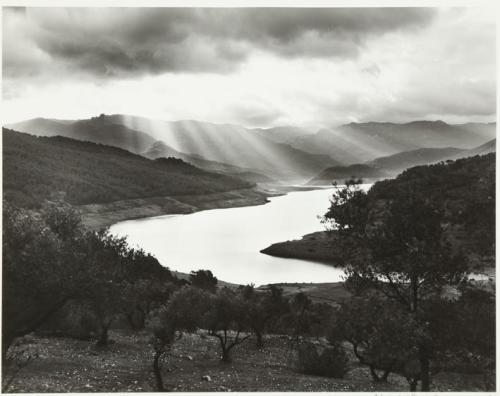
(228, 241)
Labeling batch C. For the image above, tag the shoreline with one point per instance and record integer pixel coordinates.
(98, 216)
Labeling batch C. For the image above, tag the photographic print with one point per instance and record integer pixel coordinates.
(248, 199)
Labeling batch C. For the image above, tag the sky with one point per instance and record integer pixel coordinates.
(256, 67)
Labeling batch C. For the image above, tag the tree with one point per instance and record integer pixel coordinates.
(382, 335)
(264, 308)
(144, 296)
(39, 268)
(184, 312)
(148, 286)
(226, 319)
(105, 278)
(400, 250)
(203, 279)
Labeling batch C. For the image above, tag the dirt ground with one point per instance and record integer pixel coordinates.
(68, 365)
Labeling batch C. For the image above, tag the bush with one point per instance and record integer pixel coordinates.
(329, 361)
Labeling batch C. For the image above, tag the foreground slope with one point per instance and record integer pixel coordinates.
(126, 367)
(37, 168)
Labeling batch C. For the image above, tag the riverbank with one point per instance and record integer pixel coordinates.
(97, 216)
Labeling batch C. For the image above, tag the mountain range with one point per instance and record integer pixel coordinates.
(360, 142)
(372, 149)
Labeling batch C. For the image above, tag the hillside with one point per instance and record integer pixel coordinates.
(407, 159)
(96, 130)
(36, 168)
(160, 149)
(362, 142)
(126, 367)
(231, 144)
(488, 147)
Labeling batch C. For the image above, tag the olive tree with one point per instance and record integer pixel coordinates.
(398, 249)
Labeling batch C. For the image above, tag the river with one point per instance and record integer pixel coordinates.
(228, 241)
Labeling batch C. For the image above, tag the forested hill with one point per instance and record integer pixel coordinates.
(463, 189)
(39, 168)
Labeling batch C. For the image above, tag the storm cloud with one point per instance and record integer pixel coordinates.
(116, 42)
(257, 67)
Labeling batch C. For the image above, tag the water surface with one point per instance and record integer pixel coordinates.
(228, 241)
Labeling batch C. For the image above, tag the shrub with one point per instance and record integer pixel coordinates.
(329, 361)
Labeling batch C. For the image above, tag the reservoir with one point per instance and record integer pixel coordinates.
(228, 241)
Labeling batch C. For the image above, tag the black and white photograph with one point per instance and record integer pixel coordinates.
(222, 196)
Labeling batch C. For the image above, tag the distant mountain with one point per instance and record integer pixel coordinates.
(390, 166)
(231, 144)
(37, 168)
(362, 142)
(283, 134)
(97, 130)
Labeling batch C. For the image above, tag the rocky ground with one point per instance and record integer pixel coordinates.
(68, 365)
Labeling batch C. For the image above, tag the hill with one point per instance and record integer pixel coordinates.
(160, 149)
(363, 142)
(231, 144)
(37, 168)
(96, 129)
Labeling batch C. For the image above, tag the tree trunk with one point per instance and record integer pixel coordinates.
(7, 340)
(425, 374)
(413, 385)
(374, 374)
(226, 357)
(157, 372)
(136, 319)
(103, 337)
(379, 378)
(260, 341)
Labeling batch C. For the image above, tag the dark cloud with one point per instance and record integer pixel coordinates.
(109, 42)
